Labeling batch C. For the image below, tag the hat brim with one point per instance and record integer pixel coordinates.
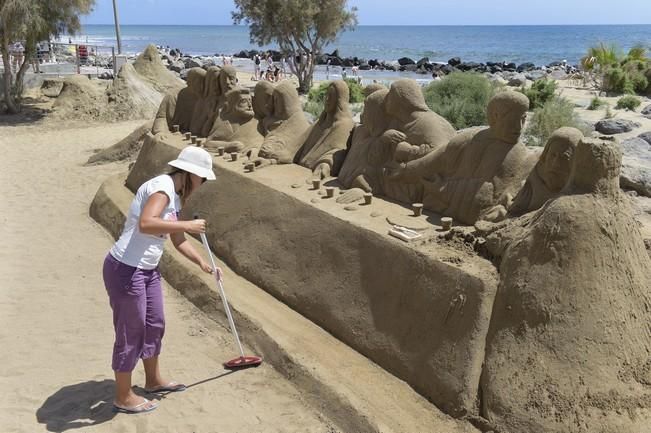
(194, 169)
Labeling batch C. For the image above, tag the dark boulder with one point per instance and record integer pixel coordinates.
(403, 61)
(423, 61)
(510, 67)
(526, 67)
(615, 126)
(454, 61)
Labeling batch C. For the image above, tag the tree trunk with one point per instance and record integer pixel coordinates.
(305, 78)
(12, 107)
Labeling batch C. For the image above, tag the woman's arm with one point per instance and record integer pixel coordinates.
(152, 224)
(186, 248)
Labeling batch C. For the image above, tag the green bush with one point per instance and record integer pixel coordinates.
(540, 92)
(318, 94)
(628, 79)
(628, 102)
(596, 103)
(618, 73)
(315, 108)
(556, 113)
(461, 98)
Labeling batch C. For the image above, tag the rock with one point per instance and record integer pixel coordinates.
(636, 166)
(422, 62)
(448, 69)
(409, 68)
(177, 66)
(558, 74)
(646, 136)
(403, 61)
(373, 63)
(615, 126)
(536, 75)
(454, 61)
(517, 80)
(555, 64)
(646, 112)
(184, 74)
(525, 67)
(190, 62)
(469, 66)
(511, 67)
(497, 78)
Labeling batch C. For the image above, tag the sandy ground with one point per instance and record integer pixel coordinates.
(55, 319)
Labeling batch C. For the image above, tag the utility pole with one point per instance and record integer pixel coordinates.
(117, 26)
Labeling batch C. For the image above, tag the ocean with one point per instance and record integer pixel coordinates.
(537, 44)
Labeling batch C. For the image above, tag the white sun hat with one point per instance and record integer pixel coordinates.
(196, 161)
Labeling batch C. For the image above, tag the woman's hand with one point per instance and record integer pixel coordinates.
(196, 226)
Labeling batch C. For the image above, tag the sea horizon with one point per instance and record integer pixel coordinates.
(539, 44)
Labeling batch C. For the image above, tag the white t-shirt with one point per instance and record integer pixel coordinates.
(138, 249)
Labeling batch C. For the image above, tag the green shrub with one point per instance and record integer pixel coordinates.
(356, 91)
(315, 108)
(461, 98)
(540, 92)
(318, 94)
(596, 103)
(556, 113)
(628, 102)
(617, 73)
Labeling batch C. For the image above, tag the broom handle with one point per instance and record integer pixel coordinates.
(204, 240)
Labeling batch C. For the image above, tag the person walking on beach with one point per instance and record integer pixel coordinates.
(133, 281)
(256, 67)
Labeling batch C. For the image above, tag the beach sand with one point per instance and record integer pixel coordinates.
(56, 322)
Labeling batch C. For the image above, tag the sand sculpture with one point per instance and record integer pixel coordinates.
(212, 96)
(362, 168)
(188, 97)
(236, 128)
(328, 137)
(373, 87)
(550, 173)
(164, 119)
(263, 104)
(569, 341)
(287, 127)
(477, 174)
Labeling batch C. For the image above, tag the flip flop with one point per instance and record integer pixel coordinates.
(139, 408)
(170, 387)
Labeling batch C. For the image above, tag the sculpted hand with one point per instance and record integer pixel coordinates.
(262, 162)
(393, 137)
(195, 226)
(405, 152)
(322, 171)
(351, 196)
(495, 214)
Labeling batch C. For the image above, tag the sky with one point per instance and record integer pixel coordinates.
(396, 12)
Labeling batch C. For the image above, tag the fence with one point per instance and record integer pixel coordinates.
(67, 59)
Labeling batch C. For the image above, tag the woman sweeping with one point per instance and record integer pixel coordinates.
(133, 281)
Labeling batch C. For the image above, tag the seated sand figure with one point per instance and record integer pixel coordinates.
(330, 134)
(227, 81)
(202, 108)
(550, 174)
(476, 176)
(287, 127)
(263, 104)
(362, 168)
(187, 99)
(424, 129)
(212, 95)
(164, 119)
(236, 128)
(373, 87)
(569, 342)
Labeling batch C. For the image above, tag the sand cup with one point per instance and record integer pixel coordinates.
(220, 150)
(316, 183)
(176, 129)
(234, 156)
(330, 191)
(188, 135)
(417, 208)
(368, 197)
(194, 139)
(250, 167)
(446, 223)
(199, 142)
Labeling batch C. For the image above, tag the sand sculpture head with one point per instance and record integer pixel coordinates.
(373, 117)
(239, 104)
(196, 81)
(596, 168)
(213, 86)
(373, 87)
(507, 112)
(336, 100)
(227, 79)
(286, 101)
(263, 99)
(405, 97)
(555, 164)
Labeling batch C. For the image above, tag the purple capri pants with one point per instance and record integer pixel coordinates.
(136, 298)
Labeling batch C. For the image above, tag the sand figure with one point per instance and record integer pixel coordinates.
(263, 105)
(287, 127)
(165, 116)
(213, 96)
(479, 172)
(425, 130)
(236, 128)
(188, 97)
(550, 174)
(569, 342)
(362, 168)
(227, 80)
(373, 87)
(330, 134)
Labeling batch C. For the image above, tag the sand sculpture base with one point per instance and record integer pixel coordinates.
(421, 310)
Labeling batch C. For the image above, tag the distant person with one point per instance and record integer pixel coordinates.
(256, 67)
(344, 74)
(328, 69)
(354, 69)
(283, 67)
(17, 55)
(276, 74)
(133, 281)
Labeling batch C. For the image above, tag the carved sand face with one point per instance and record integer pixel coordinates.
(331, 99)
(263, 103)
(509, 126)
(557, 165)
(373, 117)
(227, 80)
(244, 106)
